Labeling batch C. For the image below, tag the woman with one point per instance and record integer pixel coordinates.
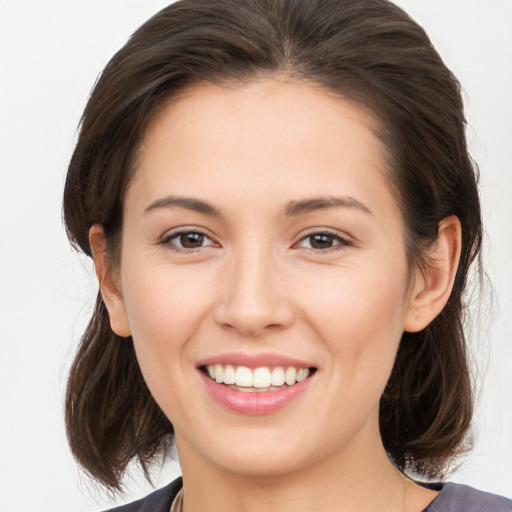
(282, 214)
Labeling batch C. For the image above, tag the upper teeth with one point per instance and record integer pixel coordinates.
(262, 377)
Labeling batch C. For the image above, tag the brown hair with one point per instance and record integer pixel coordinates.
(367, 50)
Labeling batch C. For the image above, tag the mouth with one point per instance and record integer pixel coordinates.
(257, 380)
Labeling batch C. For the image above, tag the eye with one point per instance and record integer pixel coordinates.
(187, 240)
(323, 241)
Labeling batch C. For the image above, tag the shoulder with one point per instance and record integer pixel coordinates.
(158, 501)
(462, 498)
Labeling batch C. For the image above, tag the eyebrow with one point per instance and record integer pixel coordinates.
(322, 203)
(189, 203)
(293, 208)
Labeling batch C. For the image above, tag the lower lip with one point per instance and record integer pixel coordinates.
(254, 403)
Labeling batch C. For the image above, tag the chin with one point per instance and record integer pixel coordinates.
(258, 455)
(261, 465)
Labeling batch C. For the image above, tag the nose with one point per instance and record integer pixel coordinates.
(252, 295)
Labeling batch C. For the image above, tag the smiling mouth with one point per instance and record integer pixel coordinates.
(257, 380)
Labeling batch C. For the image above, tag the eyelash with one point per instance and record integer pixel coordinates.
(167, 240)
(335, 237)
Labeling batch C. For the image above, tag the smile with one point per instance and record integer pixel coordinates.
(254, 388)
(258, 380)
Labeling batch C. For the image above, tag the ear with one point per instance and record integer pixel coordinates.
(432, 285)
(108, 282)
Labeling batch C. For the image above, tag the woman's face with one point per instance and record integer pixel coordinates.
(260, 237)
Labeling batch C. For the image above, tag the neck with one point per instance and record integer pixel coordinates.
(362, 480)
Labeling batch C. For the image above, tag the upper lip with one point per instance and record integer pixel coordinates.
(254, 360)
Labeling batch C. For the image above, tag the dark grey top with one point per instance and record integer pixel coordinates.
(462, 498)
(452, 498)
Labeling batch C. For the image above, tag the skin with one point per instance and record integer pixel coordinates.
(256, 285)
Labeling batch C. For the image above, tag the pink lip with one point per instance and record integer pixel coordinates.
(254, 360)
(253, 403)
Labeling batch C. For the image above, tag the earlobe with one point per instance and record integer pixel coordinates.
(433, 284)
(109, 288)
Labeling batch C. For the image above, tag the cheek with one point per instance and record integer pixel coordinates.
(358, 300)
(359, 317)
(165, 302)
(165, 308)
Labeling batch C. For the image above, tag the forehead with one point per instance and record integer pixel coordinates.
(268, 136)
(246, 104)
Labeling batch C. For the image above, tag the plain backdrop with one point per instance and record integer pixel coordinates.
(51, 54)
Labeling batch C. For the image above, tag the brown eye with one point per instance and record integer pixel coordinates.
(191, 240)
(187, 240)
(323, 241)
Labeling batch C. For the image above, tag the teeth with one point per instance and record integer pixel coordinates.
(243, 377)
(261, 379)
(302, 374)
(278, 376)
(229, 374)
(291, 376)
(219, 373)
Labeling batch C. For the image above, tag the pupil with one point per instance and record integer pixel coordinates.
(321, 241)
(192, 240)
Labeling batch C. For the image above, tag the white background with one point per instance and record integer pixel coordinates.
(51, 54)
